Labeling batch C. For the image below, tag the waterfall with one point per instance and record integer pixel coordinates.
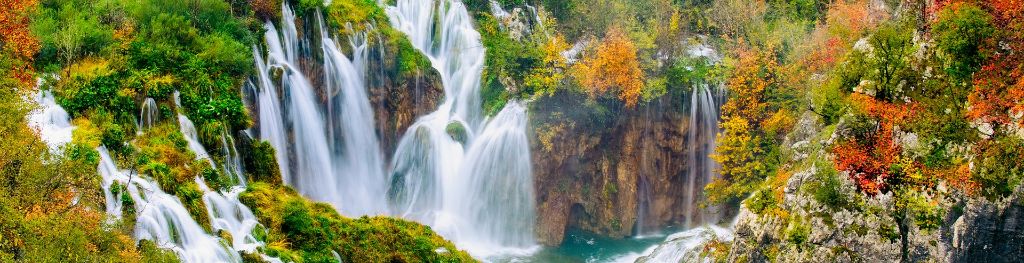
(228, 214)
(51, 121)
(337, 156)
(496, 195)
(466, 176)
(358, 153)
(271, 123)
(161, 217)
(475, 188)
(701, 133)
(149, 114)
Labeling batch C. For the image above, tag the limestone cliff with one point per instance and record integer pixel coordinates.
(862, 229)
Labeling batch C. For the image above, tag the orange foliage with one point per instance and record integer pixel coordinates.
(870, 157)
(754, 72)
(16, 38)
(849, 20)
(999, 86)
(613, 67)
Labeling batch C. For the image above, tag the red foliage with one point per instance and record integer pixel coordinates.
(869, 157)
(999, 86)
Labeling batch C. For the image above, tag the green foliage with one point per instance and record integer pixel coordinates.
(506, 59)
(1000, 169)
(798, 232)
(133, 50)
(827, 187)
(314, 230)
(961, 34)
(762, 201)
(890, 61)
(351, 17)
(261, 163)
(39, 222)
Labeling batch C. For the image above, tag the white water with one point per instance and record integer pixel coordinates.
(226, 212)
(684, 246)
(337, 157)
(161, 217)
(50, 121)
(478, 193)
(149, 114)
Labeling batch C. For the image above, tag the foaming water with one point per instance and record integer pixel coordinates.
(51, 121)
(161, 217)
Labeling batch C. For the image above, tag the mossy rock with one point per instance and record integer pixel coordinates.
(457, 131)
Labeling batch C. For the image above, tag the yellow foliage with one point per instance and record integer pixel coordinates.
(612, 68)
(545, 79)
(86, 133)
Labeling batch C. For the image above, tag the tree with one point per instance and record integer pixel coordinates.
(16, 39)
(963, 32)
(998, 93)
(743, 145)
(613, 67)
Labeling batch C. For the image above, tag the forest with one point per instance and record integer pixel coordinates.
(511, 130)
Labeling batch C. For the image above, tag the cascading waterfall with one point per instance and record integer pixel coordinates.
(473, 187)
(161, 217)
(328, 149)
(148, 115)
(226, 212)
(357, 153)
(51, 121)
(337, 156)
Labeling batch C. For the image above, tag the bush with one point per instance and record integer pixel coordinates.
(762, 201)
(826, 188)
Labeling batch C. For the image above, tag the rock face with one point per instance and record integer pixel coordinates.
(988, 231)
(398, 100)
(973, 230)
(588, 167)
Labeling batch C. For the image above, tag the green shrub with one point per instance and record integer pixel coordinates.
(762, 201)
(826, 188)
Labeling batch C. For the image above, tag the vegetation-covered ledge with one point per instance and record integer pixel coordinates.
(303, 231)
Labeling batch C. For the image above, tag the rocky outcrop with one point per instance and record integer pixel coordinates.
(588, 166)
(804, 230)
(987, 231)
(398, 100)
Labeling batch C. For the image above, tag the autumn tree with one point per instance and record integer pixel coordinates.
(612, 68)
(743, 145)
(16, 41)
(998, 93)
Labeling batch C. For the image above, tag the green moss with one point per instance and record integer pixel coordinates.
(826, 187)
(762, 201)
(314, 230)
(457, 131)
(261, 163)
(192, 198)
(798, 231)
